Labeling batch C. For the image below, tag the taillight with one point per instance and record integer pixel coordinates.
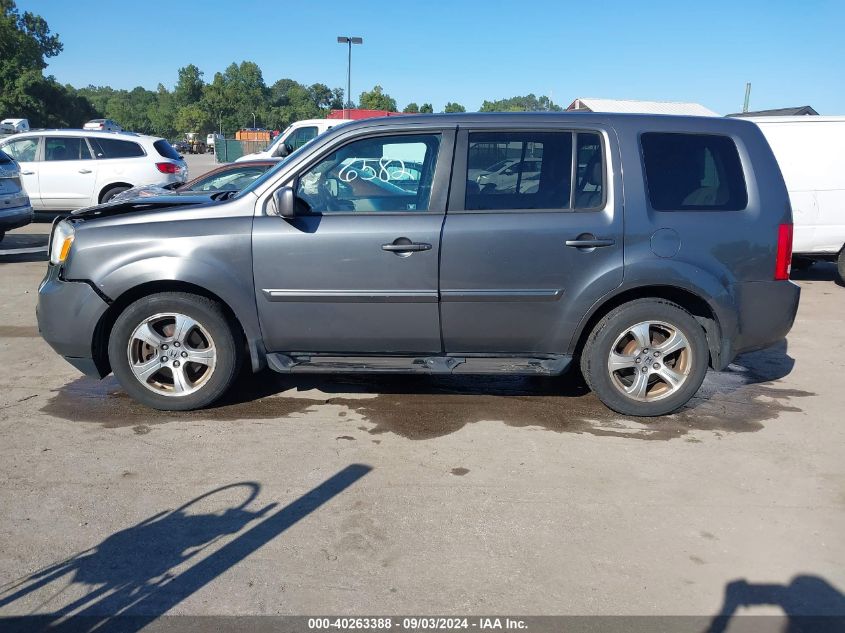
(783, 261)
(168, 168)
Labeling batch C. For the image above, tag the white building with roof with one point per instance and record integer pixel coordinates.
(640, 107)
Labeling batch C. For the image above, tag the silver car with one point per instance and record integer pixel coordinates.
(15, 209)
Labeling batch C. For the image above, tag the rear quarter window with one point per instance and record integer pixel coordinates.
(166, 150)
(115, 148)
(693, 172)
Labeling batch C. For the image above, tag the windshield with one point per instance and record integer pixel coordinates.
(269, 175)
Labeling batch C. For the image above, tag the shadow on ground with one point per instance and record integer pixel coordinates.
(811, 605)
(819, 271)
(422, 407)
(146, 570)
(17, 248)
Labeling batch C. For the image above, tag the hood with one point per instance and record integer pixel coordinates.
(152, 203)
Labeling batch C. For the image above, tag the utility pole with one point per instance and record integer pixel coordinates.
(349, 41)
(747, 96)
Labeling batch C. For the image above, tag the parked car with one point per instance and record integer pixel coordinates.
(293, 137)
(181, 146)
(665, 251)
(231, 177)
(811, 154)
(14, 126)
(102, 125)
(64, 170)
(524, 174)
(15, 209)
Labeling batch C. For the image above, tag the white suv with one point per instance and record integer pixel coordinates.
(63, 170)
(293, 137)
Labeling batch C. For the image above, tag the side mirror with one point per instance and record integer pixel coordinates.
(285, 202)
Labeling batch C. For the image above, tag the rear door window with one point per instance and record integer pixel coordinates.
(519, 170)
(115, 148)
(693, 172)
(66, 148)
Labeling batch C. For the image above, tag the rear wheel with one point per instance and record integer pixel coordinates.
(112, 192)
(646, 358)
(174, 351)
(840, 265)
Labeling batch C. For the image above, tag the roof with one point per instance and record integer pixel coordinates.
(797, 111)
(643, 107)
(793, 119)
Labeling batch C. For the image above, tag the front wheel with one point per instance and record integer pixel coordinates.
(840, 265)
(174, 351)
(646, 358)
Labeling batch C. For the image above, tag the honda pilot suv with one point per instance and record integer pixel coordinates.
(643, 249)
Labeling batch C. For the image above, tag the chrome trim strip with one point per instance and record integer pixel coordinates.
(501, 295)
(351, 296)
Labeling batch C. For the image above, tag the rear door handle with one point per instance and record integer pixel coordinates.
(84, 171)
(27, 173)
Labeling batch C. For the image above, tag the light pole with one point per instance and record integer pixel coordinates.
(349, 41)
(253, 120)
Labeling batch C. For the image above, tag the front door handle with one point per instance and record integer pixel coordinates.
(84, 171)
(403, 247)
(27, 173)
(588, 241)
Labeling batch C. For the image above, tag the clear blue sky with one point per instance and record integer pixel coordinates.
(468, 51)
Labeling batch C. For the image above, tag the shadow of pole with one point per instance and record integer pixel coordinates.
(133, 571)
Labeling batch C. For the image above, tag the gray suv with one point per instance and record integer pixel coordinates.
(642, 248)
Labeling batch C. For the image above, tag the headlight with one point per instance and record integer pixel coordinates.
(61, 242)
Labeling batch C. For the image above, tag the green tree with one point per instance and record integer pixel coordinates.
(454, 107)
(377, 99)
(411, 108)
(426, 108)
(528, 103)
(25, 44)
(192, 118)
(189, 86)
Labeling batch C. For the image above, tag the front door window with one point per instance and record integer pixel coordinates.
(380, 174)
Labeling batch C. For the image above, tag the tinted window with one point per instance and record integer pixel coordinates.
(519, 170)
(230, 180)
(115, 148)
(165, 149)
(589, 174)
(22, 149)
(65, 148)
(5, 159)
(387, 173)
(694, 172)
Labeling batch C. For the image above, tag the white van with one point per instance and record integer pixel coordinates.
(14, 126)
(811, 154)
(293, 137)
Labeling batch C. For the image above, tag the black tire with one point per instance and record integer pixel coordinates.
(596, 354)
(840, 265)
(112, 192)
(205, 312)
(2, 235)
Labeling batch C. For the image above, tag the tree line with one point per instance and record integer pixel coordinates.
(233, 99)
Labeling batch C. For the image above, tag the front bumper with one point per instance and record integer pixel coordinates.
(68, 313)
(16, 217)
